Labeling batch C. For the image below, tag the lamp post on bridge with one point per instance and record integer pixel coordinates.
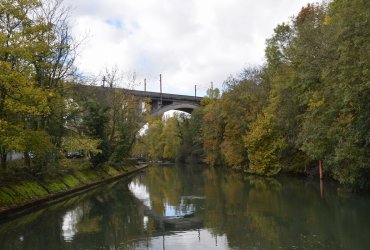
(160, 88)
(104, 80)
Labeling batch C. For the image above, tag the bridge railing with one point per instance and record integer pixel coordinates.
(164, 96)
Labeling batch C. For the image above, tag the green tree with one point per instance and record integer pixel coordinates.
(152, 139)
(191, 146)
(171, 138)
(240, 103)
(22, 102)
(95, 122)
(213, 127)
(271, 140)
(338, 111)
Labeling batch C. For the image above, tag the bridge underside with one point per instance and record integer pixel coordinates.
(180, 106)
(163, 102)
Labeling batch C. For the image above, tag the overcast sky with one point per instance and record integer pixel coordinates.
(187, 41)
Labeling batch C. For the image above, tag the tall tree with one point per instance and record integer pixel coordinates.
(21, 100)
(240, 103)
(339, 109)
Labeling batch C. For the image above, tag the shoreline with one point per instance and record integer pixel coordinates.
(8, 212)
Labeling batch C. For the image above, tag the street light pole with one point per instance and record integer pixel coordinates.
(160, 87)
(103, 80)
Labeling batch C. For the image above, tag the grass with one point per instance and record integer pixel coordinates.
(30, 189)
(54, 185)
(111, 170)
(18, 184)
(21, 191)
(7, 196)
(82, 176)
(88, 175)
(71, 181)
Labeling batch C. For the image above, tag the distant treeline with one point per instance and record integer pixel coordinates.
(309, 102)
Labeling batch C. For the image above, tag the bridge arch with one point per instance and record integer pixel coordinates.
(185, 107)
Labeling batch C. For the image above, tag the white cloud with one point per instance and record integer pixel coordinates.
(188, 42)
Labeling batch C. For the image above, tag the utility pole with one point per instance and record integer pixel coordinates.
(211, 94)
(195, 89)
(145, 84)
(103, 80)
(160, 88)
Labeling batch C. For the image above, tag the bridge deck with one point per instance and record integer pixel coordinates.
(165, 96)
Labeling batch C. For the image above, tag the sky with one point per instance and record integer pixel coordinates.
(189, 42)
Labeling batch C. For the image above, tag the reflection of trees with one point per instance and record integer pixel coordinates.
(269, 214)
(118, 217)
(263, 204)
(252, 212)
(263, 213)
(108, 218)
(167, 185)
(255, 212)
(225, 204)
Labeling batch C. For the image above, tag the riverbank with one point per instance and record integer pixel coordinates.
(29, 192)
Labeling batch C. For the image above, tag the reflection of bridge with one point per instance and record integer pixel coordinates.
(162, 102)
(176, 222)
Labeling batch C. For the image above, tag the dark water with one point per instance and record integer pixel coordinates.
(226, 211)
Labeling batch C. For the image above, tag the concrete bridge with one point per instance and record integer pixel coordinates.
(162, 102)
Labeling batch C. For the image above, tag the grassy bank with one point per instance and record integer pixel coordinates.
(24, 190)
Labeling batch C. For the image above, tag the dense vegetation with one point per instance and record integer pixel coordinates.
(45, 113)
(309, 102)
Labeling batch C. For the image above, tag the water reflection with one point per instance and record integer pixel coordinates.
(140, 192)
(197, 208)
(145, 221)
(70, 220)
(179, 210)
(194, 239)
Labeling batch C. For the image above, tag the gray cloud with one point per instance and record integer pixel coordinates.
(189, 42)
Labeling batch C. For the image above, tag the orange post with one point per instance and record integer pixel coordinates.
(320, 169)
(321, 189)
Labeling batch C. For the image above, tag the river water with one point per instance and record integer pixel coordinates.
(188, 207)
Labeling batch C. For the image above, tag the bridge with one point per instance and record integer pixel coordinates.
(159, 102)
(162, 102)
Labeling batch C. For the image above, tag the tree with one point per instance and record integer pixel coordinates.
(125, 113)
(339, 108)
(271, 140)
(191, 146)
(213, 127)
(95, 122)
(21, 100)
(55, 66)
(240, 103)
(171, 138)
(152, 140)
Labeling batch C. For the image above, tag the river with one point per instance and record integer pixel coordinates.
(190, 207)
